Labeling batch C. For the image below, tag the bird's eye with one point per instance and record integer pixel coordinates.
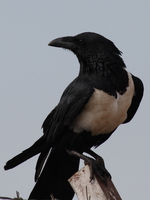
(80, 41)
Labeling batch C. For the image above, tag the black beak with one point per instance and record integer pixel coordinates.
(63, 42)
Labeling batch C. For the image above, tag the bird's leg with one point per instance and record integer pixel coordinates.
(95, 166)
(86, 160)
(99, 161)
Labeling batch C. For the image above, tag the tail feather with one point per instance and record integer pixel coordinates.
(25, 155)
(59, 167)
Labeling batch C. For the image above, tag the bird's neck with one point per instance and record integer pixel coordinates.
(104, 71)
(101, 65)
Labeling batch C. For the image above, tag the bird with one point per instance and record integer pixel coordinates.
(103, 96)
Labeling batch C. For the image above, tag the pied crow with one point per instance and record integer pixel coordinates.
(102, 96)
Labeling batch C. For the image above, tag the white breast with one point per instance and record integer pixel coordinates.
(103, 113)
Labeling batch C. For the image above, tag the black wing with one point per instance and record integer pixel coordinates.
(47, 122)
(139, 89)
(71, 103)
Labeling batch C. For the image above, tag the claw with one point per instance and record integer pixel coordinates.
(96, 166)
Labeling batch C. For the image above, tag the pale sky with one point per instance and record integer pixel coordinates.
(33, 77)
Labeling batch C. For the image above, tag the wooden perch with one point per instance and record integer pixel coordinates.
(86, 190)
(95, 190)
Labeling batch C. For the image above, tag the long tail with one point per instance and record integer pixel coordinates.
(59, 167)
(25, 155)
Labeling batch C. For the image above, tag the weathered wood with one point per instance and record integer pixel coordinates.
(95, 190)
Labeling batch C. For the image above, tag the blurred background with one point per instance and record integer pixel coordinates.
(33, 77)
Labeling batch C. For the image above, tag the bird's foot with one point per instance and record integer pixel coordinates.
(96, 166)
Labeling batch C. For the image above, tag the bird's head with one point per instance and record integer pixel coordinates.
(86, 43)
(93, 51)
